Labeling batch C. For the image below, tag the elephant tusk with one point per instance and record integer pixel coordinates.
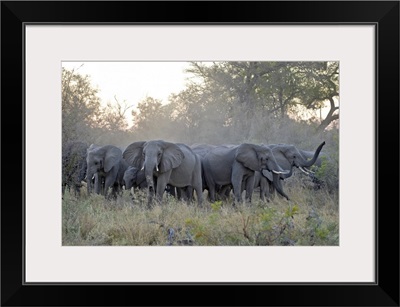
(142, 168)
(157, 168)
(278, 172)
(306, 171)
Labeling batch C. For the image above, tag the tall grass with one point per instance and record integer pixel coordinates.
(310, 218)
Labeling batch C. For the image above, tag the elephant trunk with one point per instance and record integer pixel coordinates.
(150, 165)
(315, 157)
(89, 176)
(98, 184)
(287, 175)
(278, 185)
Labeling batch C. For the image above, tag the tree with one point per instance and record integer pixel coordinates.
(272, 89)
(114, 116)
(151, 120)
(81, 110)
(85, 119)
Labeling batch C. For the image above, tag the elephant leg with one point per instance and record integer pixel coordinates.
(224, 192)
(271, 189)
(160, 192)
(109, 182)
(171, 190)
(249, 188)
(237, 186)
(264, 194)
(188, 192)
(199, 194)
(161, 184)
(211, 190)
(179, 193)
(115, 190)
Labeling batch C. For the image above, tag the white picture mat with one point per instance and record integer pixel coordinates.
(48, 261)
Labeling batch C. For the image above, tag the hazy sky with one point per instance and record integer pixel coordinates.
(133, 81)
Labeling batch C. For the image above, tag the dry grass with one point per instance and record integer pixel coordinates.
(310, 218)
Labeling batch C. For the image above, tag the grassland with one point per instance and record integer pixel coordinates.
(310, 218)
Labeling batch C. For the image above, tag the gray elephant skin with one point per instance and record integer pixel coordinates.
(221, 192)
(289, 156)
(73, 166)
(172, 163)
(134, 178)
(105, 164)
(236, 165)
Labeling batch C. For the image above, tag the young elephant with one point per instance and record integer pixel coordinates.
(134, 178)
(103, 163)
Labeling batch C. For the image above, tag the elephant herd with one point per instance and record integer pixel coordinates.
(185, 171)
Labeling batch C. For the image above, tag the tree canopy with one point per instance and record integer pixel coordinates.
(224, 102)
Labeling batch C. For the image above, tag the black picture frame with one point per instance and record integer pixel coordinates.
(383, 14)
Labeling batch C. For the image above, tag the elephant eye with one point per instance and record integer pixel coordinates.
(95, 163)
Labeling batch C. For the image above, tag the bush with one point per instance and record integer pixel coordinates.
(311, 218)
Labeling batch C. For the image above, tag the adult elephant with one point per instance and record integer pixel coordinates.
(73, 166)
(236, 165)
(172, 163)
(322, 157)
(289, 156)
(222, 192)
(103, 163)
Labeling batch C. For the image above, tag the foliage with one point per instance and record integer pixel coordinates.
(85, 117)
(311, 219)
(80, 107)
(225, 103)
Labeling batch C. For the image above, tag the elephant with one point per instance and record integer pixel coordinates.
(172, 163)
(119, 182)
(266, 186)
(236, 165)
(289, 156)
(222, 192)
(322, 157)
(73, 165)
(103, 163)
(98, 181)
(134, 178)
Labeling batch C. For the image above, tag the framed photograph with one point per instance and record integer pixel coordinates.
(139, 130)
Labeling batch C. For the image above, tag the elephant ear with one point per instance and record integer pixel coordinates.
(171, 158)
(281, 155)
(133, 154)
(268, 174)
(112, 157)
(246, 154)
